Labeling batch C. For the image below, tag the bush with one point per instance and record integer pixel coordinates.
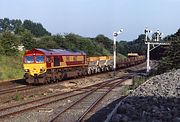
(17, 98)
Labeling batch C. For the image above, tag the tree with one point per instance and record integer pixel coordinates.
(17, 26)
(1, 47)
(171, 57)
(27, 40)
(9, 43)
(5, 24)
(122, 47)
(71, 41)
(36, 28)
(138, 45)
(60, 40)
(46, 42)
(10, 25)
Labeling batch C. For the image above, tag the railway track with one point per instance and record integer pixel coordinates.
(15, 89)
(82, 93)
(92, 103)
(24, 88)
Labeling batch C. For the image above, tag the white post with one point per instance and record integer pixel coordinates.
(158, 35)
(115, 34)
(148, 56)
(114, 48)
(146, 36)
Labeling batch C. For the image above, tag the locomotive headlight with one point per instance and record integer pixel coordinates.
(42, 69)
(26, 70)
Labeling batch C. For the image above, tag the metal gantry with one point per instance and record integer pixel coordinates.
(155, 42)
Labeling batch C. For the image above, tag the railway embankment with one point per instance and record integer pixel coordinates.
(156, 100)
(11, 68)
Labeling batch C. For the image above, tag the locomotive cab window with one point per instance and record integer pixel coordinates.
(48, 60)
(40, 59)
(29, 59)
(56, 61)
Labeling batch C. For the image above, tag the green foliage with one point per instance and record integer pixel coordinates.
(92, 47)
(75, 43)
(36, 28)
(106, 42)
(13, 25)
(11, 67)
(138, 45)
(5, 25)
(60, 40)
(27, 40)
(9, 44)
(171, 57)
(46, 42)
(122, 47)
(34, 35)
(17, 26)
(17, 97)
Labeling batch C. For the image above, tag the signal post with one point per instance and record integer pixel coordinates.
(154, 42)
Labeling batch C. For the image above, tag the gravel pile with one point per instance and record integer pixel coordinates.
(156, 100)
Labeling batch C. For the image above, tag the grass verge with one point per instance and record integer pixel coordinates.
(138, 80)
(11, 67)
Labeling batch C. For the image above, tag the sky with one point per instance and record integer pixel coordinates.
(90, 18)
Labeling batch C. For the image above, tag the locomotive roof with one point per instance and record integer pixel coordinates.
(59, 52)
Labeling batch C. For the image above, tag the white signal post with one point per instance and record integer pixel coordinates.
(152, 42)
(148, 51)
(115, 34)
(146, 31)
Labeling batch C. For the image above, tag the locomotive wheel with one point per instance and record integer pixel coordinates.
(61, 76)
(85, 73)
(94, 71)
(45, 80)
(48, 80)
(89, 72)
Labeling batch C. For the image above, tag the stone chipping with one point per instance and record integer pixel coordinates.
(156, 100)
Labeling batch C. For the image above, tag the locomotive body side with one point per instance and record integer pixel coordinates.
(54, 65)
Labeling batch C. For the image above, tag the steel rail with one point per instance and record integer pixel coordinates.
(16, 89)
(55, 95)
(99, 99)
(23, 88)
(53, 101)
(80, 99)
